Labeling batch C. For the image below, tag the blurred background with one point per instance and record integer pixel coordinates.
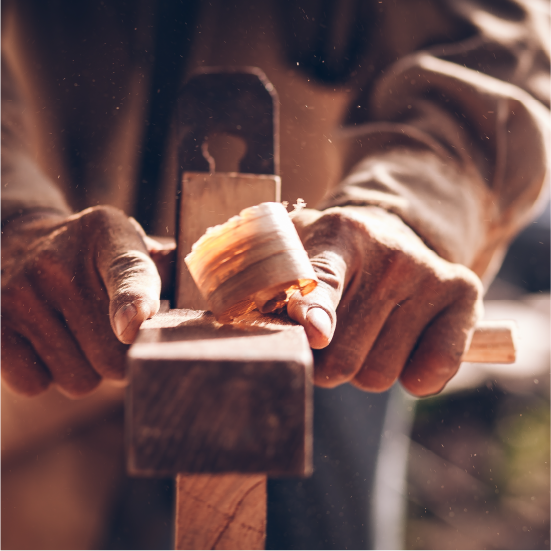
(469, 468)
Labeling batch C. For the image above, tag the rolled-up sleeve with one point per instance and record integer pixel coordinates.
(454, 138)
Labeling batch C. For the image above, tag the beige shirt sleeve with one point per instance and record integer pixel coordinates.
(25, 188)
(455, 138)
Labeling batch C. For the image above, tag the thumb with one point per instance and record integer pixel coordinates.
(316, 311)
(136, 291)
(130, 276)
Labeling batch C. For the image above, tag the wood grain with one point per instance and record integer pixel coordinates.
(220, 511)
(208, 200)
(205, 397)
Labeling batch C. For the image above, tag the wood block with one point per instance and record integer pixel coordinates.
(493, 342)
(220, 511)
(208, 200)
(210, 398)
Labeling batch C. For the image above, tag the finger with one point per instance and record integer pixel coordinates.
(360, 322)
(130, 276)
(371, 296)
(58, 350)
(87, 320)
(395, 342)
(135, 293)
(316, 311)
(22, 370)
(438, 355)
(76, 299)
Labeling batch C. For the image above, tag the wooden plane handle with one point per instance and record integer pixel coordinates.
(493, 342)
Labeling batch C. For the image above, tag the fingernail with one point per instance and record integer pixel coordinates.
(125, 314)
(320, 320)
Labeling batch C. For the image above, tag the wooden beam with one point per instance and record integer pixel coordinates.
(205, 397)
(221, 511)
(210, 398)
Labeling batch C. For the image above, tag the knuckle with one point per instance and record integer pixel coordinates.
(18, 302)
(467, 285)
(330, 270)
(50, 274)
(403, 263)
(101, 213)
(45, 262)
(454, 283)
(133, 273)
(101, 218)
(331, 369)
(334, 224)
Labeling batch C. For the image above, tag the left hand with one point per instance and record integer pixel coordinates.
(386, 307)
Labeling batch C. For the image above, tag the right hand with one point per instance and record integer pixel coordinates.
(75, 291)
(403, 311)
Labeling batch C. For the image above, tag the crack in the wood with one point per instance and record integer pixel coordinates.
(208, 505)
(232, 515)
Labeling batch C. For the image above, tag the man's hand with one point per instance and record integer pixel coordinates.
(386, 307)
(74, 292)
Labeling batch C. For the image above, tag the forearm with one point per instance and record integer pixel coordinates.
(460, 156)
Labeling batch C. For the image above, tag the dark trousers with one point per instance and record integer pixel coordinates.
(331, 510)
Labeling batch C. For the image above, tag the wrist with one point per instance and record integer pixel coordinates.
(443, 202)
